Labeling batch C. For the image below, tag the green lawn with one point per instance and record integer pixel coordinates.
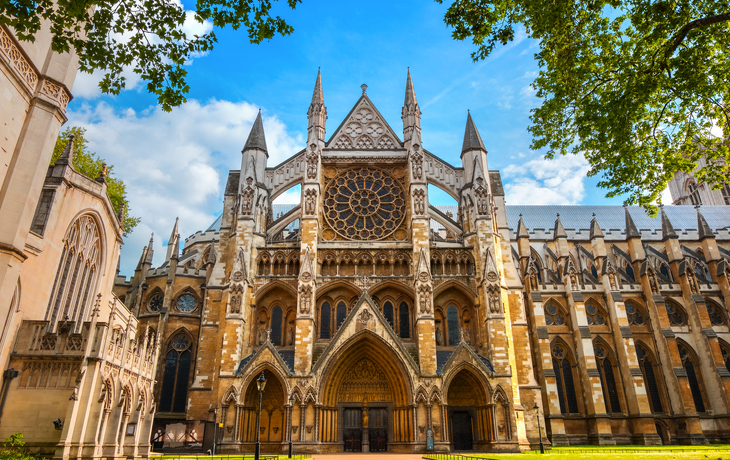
(713, 452)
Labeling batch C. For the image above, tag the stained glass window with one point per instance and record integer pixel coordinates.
(404, 320)
(186, 303)
(452, 323)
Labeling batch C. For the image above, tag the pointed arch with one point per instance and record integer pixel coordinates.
(231, 395)
(595, 313)
(676, 313)
(476, 373)
(607, 369)
(652, 375)
(176, 373)
(555, 314)
(564, 368)
(421, 394)
(691, 365)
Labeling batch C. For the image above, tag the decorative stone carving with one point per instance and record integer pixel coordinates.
(439, 335)
(312, 161)
(365, 316)
(652, 281)
(305, 300)
(424, 296)
(310, 201)
(247, 201)
(417, 162)
(419, 199)
(482, 198)
(12, 55)
(495, 300)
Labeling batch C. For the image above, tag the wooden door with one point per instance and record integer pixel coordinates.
(352, 429)
(461, 429)
(378, 429)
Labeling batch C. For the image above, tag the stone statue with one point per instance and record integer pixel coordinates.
(291, 335)
(439, 335)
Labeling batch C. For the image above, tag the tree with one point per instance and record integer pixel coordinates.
(90, 165)
(147, 35)
(640, 88)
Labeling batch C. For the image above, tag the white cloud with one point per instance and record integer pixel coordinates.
(176, 164)
(542, 181)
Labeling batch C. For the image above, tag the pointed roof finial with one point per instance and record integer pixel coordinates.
(472, 139)
(256, 138)
(522, 229)
(704, 229)
(667, 228)
(559, 230)
(596, 231)
(67, 156)
(410, 92)
(364, 89)
(318, 95)
(173, 242)
(631, 230)
(150, 250)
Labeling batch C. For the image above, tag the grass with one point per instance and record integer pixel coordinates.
(713, 452)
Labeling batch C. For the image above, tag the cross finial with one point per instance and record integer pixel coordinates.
(365, 282)
(364, 89)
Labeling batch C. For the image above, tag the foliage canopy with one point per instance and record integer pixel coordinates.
(89, 164)
(147, 35)
(640, 88)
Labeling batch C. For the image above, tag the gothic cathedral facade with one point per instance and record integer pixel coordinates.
(382, 322)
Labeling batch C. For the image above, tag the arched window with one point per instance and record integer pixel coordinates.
(155, 303)
(649, 372)
(324, 321)
(554, 316)
(608, 379)
(341, 314)
(404, 321)
(676, 315)
(725, 190)
(564, 380)
(452, 324)
(630, 273)
(595, 316)
(594, 272)
(692, 377)
(665, 271)
(276, 319)
(717, 317)
(693, 190)
(76, 273)
(186, 303)
(388, 312)
(174, 391)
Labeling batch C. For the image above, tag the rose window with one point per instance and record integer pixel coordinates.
(364, 204)
(186, 303)
(156, 303)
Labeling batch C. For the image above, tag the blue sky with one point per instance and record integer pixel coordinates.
(175, 164)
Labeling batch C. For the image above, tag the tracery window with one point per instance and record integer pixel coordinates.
(717, 318)
(76, 273)
(341, 314)
(594, 315)
(725, 190)
(404, 320)
(564, 380)
(694, 193)
(452, 325)
(324, 320)
(554, 315)
(608, 379)
(630, 273)
(276, 319)
(692, 378)
(648, 370)
(634, 315)
(388, 312)
(186, 303)
(155, 303)
(174, 391)
(675, 314)
(364, 204)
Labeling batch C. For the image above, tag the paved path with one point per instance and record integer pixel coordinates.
(373, 456)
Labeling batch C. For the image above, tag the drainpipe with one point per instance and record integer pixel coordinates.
(8, 375)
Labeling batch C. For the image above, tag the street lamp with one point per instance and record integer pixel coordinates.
(260, 384)
(539, 427)
(291, 410)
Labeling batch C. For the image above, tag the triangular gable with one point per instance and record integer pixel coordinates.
(364, 128)
(376, 324)
(264, 353)
(463, 352)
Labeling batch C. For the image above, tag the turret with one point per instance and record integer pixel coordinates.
(473, 152)
(317, 113)
(254, 153)
(411, 113)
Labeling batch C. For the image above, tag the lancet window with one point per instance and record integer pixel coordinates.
(76, 274)
(388, 312)
(324, 320)
(649, 371)
(689, 363)
(564, 380)
(608, 378)
(341, 314)
(174, 390)
(404, 320)
(276, 325)
(452, 325)
(677, 316)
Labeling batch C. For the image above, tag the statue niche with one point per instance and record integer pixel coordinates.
(365, 380)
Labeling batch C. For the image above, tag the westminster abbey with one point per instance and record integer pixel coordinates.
(379, 321)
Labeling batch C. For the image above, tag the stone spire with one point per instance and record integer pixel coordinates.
(411, 113)
(595, 228)
(256, 138)
(472, 139)
(631, 230)
(317, 113)
(522, 229)
(67, 156)
(559, 230)
(173, 244)
(704, 230)
(150, 250)
(667, 229)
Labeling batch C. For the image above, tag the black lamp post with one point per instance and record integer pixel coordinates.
(291, 410)
(539, 427)
(261, 384)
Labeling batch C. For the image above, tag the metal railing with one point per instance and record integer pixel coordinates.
(449, 456)
(231, 457)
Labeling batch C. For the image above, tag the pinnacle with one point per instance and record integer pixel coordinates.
(704, 230)
(67, 156)
(318, 95)
(472, 139)
(410, 92)
(522, 229)
(256, 138)
(667, 228)
(559, 230)
(596, 231)
(631, 230)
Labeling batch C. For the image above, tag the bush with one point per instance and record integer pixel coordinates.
(14, 449)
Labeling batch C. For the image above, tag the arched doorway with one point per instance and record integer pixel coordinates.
(273, 420)
(470, 417)
(366, 397)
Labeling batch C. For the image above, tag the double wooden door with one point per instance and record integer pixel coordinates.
(352, 429)
(378, 429)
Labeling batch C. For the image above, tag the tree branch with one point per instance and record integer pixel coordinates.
(682, 34)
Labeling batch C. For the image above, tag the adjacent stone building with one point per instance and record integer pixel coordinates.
(380, 320)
